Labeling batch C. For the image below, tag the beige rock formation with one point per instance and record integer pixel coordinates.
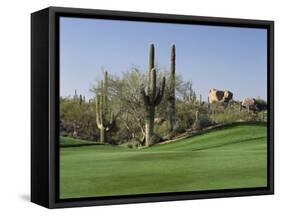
(219, 96)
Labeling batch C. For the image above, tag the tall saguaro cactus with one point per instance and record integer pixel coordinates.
(80, 100)
(152, 96)
(102, 111)
(150, 61)
(171, 93)
(100, 116)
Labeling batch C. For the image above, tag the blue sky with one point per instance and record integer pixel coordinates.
(211, 57)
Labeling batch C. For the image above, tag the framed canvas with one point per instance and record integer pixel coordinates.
(139, 107)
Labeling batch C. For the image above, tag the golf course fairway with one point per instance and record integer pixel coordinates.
(225, 158)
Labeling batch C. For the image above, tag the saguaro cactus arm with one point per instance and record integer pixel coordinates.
(171, 90)
(152, 95)
(112, 122)
(173, 69)
(160, 92)
(153, 85)
(144, 95)
(150, 61)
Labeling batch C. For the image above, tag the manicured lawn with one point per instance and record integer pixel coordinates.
(233, 157)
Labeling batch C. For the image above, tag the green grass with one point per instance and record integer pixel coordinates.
(233, 157)
(73, 142)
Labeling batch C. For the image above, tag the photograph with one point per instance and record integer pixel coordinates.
(154, 107)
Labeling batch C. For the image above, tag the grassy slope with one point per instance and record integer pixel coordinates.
(72, 142)
(234, 157)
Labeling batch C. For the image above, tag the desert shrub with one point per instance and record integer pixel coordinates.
(78, 118)
(202, 123)
(261, 105)
(262, 116)
(118, 136)
(156, 138)
(130, 145)
(185, 118)
(133, 144)
(162, 129)
(186, 114)
(231, 113)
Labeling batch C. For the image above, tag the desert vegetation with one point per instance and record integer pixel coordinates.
(140, 109)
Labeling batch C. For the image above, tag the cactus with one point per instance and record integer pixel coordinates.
(80, 100)
(150, 62)
(191, 95)
(209, 107)
(196, 115)
(75, 97)
(172, 85)
(151, 96)
(200, 100)
(99, 116)
(102, 110)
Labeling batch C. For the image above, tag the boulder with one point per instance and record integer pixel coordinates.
(249, 102)
(219, 96)
(227, 96)
(254, 104)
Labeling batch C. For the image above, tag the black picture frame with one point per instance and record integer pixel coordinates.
(45, 106)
